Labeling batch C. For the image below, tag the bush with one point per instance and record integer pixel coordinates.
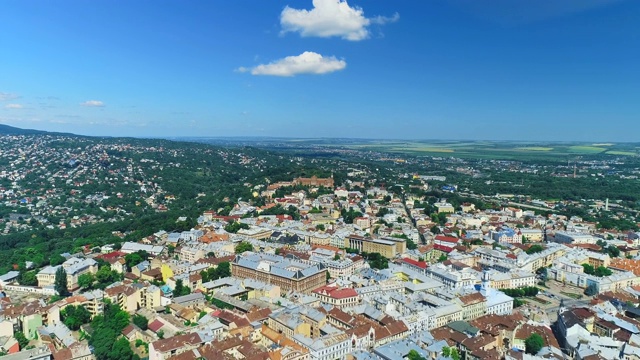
(141, 321)
(533, 344)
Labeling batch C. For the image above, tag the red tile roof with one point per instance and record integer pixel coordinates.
(111, 255)
(335, 292)
(448, 239)
(442, 248)
(420, 264)
(155, 325)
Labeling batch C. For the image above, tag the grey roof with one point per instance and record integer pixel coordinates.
(10, 276)
(277, 265)
(399, 350)
(38, 353)
(187, 298)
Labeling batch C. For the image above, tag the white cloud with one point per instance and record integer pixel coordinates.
(7, 96)
(13, 106)
(306, 63)
(93, 103)
(381, 20)
(331, 18)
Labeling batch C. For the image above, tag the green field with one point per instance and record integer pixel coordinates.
(585, 149)
(560, 151)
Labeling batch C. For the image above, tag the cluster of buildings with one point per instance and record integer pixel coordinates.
(309, 288)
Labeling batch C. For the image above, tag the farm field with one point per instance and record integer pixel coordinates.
(489, 149)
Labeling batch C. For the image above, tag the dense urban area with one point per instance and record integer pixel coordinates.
(120, 248)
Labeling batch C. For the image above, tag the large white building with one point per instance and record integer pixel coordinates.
(497, 302)
(74, 267)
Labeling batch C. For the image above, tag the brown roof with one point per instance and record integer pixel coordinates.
(452, 337)
(258, 315)
(491, 354)
(479, 342)
(493, 323)
(187, 355)
(228, 317)
(213, 237)
(217, 350)
(154, 273)
(549, 339)
(626, 264)
(471, 299)
(128, 330)
(341, 316)
(583, 313)
(176, 342)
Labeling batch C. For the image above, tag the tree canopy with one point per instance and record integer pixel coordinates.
(533, 344)
(243, 246)
(75, 316)
(106, 339)
(60, 282)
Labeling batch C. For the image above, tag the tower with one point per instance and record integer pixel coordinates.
(486, 283)
(561, 308)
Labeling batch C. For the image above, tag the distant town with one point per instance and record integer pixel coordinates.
(145, 249)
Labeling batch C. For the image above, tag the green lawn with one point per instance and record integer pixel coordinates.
(571, 295)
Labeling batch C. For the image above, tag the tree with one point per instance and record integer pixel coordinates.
(602, 271)
(382, 212)
(106, 331)
(591, 290)
(442, 258)
(86, 280)
(535, 249)
(588, 269)
(22, 340)
(141, 321)
(135, 258)
(543, 272)
(28, 278)
(243, 246)
(376, 260)
(180, 289)
(121, 349)
(104, 275)
(320, 227)
(224, 269)
(613, 251)
(454, 354)
(414, 355)
(533, 344)
(60, 283)
(160, 334)
(435, 229)
(56, 260)
(75, 316)
(235, 226)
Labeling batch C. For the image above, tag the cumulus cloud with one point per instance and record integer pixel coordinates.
(93, 103)
(331, 18)
(13, 106)
(7, 96)
(308, 62)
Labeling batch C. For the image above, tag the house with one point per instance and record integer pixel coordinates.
(74, 267)
(338, 297)
(165, 348)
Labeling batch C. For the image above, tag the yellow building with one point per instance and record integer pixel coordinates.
(388, 247)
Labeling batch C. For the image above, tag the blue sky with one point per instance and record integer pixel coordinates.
(438, 69)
